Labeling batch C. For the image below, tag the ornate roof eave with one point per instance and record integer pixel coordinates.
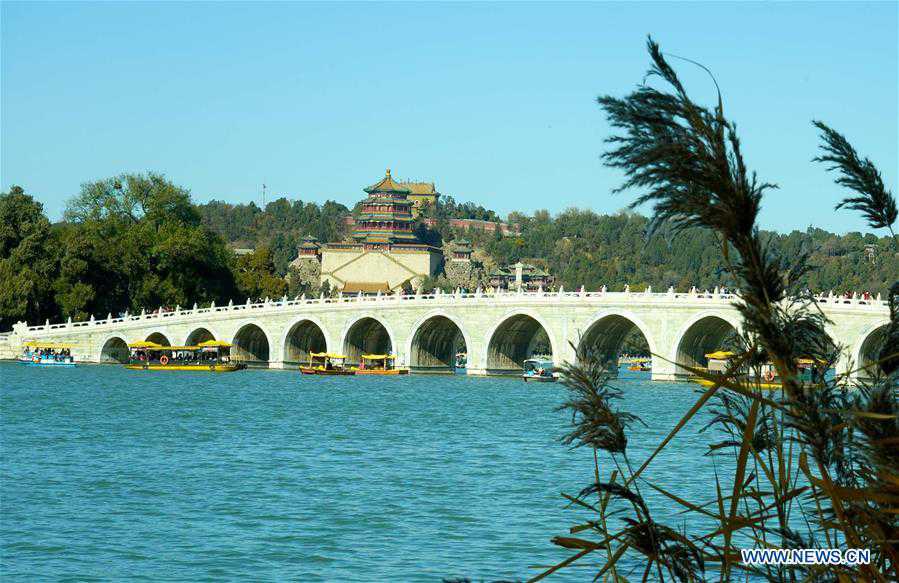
(375, 199)
(387, 184)
(384, 217)
(420, 189)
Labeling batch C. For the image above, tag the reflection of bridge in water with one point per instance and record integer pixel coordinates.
(497, 330)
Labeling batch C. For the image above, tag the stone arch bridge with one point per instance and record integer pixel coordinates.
(496, 330)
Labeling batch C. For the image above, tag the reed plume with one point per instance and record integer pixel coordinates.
(860, 175)
(814, 464)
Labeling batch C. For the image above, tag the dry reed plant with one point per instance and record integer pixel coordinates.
(814, 465)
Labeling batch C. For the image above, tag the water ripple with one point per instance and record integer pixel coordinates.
(110, 474)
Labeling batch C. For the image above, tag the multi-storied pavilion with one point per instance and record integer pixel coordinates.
(385, 254)
(385, 219)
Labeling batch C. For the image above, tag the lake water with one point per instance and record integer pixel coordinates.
(270, 475)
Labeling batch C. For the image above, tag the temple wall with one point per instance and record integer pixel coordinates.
(341, 266)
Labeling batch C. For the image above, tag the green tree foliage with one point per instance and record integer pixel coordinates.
(295, 284)
(137, 241)
(280, 227)
(580, 246)
(27, 260)
(130, 242)
(585, 248)
(256, 278)
(448, 208)
(430, 284)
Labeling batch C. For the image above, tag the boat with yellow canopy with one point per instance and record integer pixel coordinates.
(326, 364)
(640, 365)
(47, 354)
(765, 378)
(379, 364)
(209, 356)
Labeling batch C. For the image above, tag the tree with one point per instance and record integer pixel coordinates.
(138, 242)
(133, 198)
(28, 257)
(256, 277)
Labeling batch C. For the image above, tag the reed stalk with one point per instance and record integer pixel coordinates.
(813, 464)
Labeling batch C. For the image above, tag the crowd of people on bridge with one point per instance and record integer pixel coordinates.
(846, 297)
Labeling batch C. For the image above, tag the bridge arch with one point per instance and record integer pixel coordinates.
(303, 335)
(251, 343)
(114, 349)
(866, 351)
(201, 334)
(608, 331)
(367, 334)
(434, 340)
(516, 337)
(158, 338)
(703, 333)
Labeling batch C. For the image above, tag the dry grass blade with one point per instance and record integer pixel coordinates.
(680, 424)
(740, 472)
(561, 565)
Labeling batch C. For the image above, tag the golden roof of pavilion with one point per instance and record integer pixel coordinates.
(387, 184)
(420, 188)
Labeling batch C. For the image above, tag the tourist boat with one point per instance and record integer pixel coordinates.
(538, 370)
(461, 360)
(209, 356)
(379, 364)
(47, 354)
(327, 364)
(766, 379)
(641, 365)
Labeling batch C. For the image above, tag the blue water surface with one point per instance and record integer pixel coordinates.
(109, 474)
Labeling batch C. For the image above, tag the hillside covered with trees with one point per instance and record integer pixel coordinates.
(579, 247)
(283, 223)
(137, 241)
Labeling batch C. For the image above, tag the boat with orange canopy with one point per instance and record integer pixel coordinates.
(326, 364)
(379, 364)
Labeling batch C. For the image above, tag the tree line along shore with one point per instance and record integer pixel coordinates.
(139, 241)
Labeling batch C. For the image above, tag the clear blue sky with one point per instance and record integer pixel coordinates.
(494, 102)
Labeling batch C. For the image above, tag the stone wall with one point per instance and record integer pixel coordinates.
(340, 266)
(467, 275)
(303, 274)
